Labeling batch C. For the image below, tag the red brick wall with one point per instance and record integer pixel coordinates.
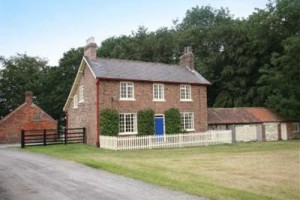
(110, 92)
(85, 114)
(24, 117)
(290, 133)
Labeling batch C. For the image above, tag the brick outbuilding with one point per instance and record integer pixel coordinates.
(27, 116)
(253, 123)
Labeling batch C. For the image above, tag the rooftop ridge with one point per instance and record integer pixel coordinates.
(138, 61)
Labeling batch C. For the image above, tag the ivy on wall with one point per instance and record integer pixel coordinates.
(109, 122)
(172, 121)
(146, 122)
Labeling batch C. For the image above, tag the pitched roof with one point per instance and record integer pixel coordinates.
(12, 113)
(242, 115)
(265, 114)
(144, 71)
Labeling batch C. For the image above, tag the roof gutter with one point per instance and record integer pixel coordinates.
(149, 81)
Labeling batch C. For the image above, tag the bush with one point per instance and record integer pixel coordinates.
(146, 122)
(109, 122)
(173, 121)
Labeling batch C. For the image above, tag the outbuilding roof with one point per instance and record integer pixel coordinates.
(144, 71)
(243, 115)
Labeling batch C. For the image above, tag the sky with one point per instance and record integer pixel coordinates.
(48, 28)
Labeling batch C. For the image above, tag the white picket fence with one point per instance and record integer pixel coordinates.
(168, 141)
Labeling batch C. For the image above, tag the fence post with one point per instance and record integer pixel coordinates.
(44, 137)
(66, 131)
(84, 135)
(22, 138)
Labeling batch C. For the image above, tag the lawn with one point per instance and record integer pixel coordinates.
(239, 171)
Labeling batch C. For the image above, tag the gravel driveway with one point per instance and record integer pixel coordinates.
(25, 175)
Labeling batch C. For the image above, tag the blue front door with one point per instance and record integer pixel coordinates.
(159, 125)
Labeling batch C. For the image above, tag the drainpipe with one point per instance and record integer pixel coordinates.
(97, 113)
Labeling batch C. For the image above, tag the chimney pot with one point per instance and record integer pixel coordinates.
(90, 49)
(28, 97)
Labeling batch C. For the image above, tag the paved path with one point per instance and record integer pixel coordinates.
(25, 175)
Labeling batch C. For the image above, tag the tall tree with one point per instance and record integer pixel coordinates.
(57, 82)
(20, 73)
(280, 70)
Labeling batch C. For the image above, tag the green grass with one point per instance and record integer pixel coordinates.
(238, 171)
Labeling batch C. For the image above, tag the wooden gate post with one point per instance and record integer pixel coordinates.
(84, 135)
(44, 137)
(66, 135)
(22, 138)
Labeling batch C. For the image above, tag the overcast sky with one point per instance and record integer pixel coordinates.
(48, 28)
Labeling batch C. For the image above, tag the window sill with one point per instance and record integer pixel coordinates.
(159, 100)
(127, 99)
(189, 130)
(127, 134)
(186, 100)
(81, 102)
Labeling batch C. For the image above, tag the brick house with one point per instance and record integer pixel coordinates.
(27, 116)
(129, 86)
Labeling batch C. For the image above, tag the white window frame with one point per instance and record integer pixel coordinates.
(75, 101)
(81, 94)
(134, 123)
(295, 127)
(186, 90)
(127, 86)
(183, 116)
(160, 92)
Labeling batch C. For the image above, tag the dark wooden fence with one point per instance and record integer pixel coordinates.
(52, 136)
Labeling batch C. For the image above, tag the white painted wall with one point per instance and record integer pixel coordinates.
(245, 133)
(284, 135)
(271, 131)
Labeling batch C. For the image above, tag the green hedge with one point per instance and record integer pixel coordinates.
(173, 121)
(146, 122)
(109, 122)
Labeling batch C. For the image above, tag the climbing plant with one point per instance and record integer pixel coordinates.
(172, 121)
(109, 122)
(146, 122)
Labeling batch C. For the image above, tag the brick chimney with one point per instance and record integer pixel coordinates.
(90, 50)
(28, 98)
(187, 58)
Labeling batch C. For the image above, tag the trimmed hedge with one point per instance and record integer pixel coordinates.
(173, 121)
(146, 122)
(109, 122)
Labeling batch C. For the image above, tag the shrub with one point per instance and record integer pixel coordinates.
(109, 122)
(146, 122)
(172, 120)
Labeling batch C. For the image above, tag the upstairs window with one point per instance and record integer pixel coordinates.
(81, 94)
(126, 91)
(185, 93)
(75, 101)
(187, 121)
(158, 92)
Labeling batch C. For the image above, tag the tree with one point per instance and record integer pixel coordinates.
(280, 80)
(20, 73)
(279, 72)
(57, 82)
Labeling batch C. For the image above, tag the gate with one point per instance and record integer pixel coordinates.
(52, 136)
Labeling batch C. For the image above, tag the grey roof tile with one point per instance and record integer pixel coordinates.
(144, 71)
